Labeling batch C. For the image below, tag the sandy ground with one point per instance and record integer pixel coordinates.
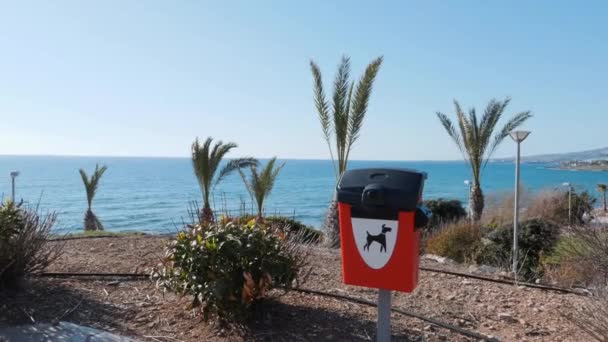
(138, 309)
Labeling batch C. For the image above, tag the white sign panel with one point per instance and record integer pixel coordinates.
(375, 240)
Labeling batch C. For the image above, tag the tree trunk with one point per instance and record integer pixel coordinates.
(206, 214)
(477, 202)
(331, 226)
(605, 209)
(91, 222)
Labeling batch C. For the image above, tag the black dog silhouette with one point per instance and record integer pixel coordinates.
(380, 238)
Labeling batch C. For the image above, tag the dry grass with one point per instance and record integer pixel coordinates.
(458, 241)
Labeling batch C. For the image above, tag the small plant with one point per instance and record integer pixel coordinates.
(592, 316)
(226, 266)
(536, 238)
(91, 222)
(205, 161)
(458, 241)
(444, 211)
(23, 243)
(260, 184)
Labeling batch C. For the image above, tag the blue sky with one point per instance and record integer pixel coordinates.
(144, 78)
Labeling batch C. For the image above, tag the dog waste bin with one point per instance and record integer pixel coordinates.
(379, 215)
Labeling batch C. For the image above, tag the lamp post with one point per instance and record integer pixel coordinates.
(518, 137)
(470, 212)
(569, 186)
(14, 175)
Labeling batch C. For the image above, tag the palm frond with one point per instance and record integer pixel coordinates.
(322, 108)
(233, 165)
(360, 102)
(91, 184)
(452, 132)
(340, 114)
(511, 125)
(260, 184)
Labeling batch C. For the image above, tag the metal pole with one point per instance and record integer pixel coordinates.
(516, 214)
(13, 186)
(570, 204)
(383, 333)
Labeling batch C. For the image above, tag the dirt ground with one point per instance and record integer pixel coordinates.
(138, 309)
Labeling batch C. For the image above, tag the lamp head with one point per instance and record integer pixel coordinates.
(14, 174)
(566, 184)
(519, 136)
(467, 182)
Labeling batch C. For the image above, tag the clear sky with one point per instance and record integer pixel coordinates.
(144, 78)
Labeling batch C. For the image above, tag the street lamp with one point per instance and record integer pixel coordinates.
(518, 137)
(14, 175)
(569, 186)
(470, 211)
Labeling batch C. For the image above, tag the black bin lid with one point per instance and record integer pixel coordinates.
(384, 189)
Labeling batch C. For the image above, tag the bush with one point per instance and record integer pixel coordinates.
(536, 237)
(227, 266)
(23, 248)
(553, 205)
(585, 248)
(444, 211)
(458, 241)
(298, 230)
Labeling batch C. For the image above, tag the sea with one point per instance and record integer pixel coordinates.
(154, 195)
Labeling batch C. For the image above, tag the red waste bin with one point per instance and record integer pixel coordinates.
(379, 217)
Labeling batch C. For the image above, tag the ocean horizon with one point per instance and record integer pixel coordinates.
(153, 194)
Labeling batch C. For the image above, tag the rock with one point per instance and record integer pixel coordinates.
(111, 245)
(466, 282)
(451, 297)
(506, 317)
(537, 281)
(428, 328)
(477, 269)
(436, 258)
(522, 322)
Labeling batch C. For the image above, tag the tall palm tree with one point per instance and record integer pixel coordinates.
(91, 222)
(474, 139)
(260, 184)
(341, 123)
(206, 161)
(603, 188)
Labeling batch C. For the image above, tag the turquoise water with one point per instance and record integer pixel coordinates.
(153, 194)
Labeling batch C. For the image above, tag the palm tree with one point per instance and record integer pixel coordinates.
(341, 123)
(474, 139)
(602, 188)
(91, 222)
(206, 161)
(260, 184)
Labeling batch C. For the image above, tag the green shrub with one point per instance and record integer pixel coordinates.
(444, 211)
(23, 247)
(295, 228)
(458, 241)
(227, 266)
(536, 237)
(567, 266)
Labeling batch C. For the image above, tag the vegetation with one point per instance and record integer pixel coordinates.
(444, 211)
(477, 142)
(603, 188)
(260, 184)
(91, 222)
(536, 237)
(227, 266)
(206, 160)
(297, 230)
(23, 248)
(341, 123)
(458, 241)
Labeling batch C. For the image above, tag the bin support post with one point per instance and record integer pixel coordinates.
(383, 333)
